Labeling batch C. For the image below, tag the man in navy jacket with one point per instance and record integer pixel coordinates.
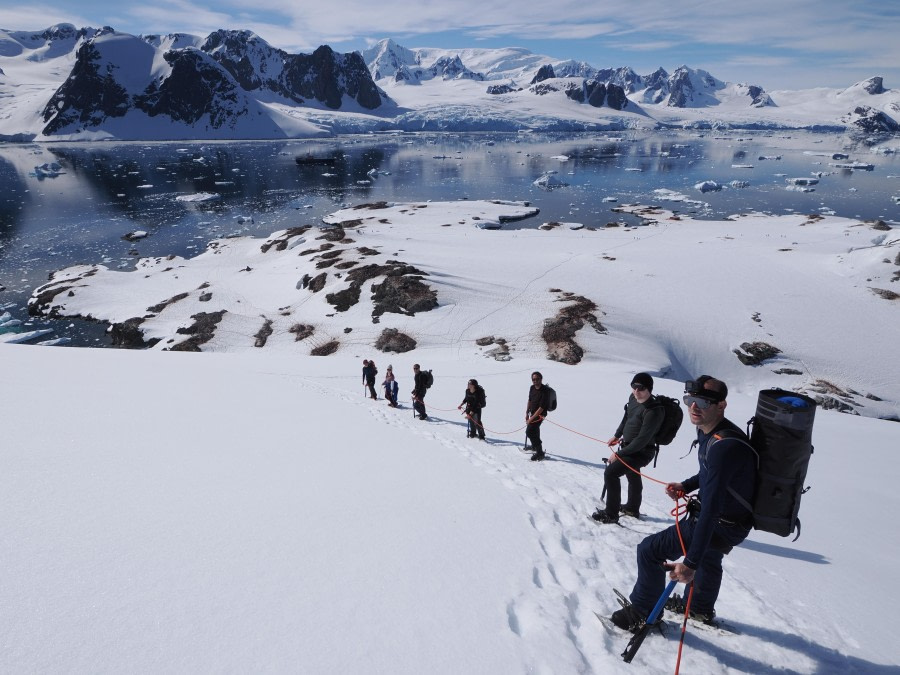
(727, 463)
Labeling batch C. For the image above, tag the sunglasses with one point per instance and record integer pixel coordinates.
(702, 403)
(638, 387)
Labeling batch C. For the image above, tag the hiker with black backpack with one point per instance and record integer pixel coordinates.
(369, 372)
(713, 525)
(541, 400)
(422, 380)
(635, 443)
(474, 401)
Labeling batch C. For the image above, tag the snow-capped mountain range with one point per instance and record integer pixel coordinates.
(66, 83)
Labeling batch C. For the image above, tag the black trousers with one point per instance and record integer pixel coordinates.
(475, 428)
(419, 405)
(533, 434)
(612, 481)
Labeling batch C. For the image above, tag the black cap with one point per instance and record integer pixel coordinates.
(643, 379)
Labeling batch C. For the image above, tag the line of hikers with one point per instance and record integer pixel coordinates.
(724, 483)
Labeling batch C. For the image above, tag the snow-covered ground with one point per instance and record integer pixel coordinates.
(251, 510)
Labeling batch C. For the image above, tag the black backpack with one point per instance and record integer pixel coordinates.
(480, 396)
(429, 379)
(674, 416)
(781, 438)
(551, 398)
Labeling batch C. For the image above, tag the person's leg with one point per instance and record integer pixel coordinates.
(635, 490)
(707, 583)
(479, 429)
(533, 432)
(613, 484)
(652, 552)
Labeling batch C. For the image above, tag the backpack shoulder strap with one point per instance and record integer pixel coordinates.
(740, 438)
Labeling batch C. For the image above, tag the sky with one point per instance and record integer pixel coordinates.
(777, 45)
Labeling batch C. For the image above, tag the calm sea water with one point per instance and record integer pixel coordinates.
(106, 191)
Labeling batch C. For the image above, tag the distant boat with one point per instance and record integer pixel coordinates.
(303, 160)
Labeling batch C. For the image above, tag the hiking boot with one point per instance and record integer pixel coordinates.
(538, 457)
(704, 616)
(423, 417)
(628, 618)
(606, 519)
(675, 604)
(631, 513)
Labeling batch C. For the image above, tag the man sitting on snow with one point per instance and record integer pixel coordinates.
(709, 530)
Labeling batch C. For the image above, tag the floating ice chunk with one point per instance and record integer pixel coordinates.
(708, 186)
(199, 197)
(741, 166)
(610, 199)
(799, 188)
(363, 182)
(895, 199)
(54, 342)
(771, 157)
(549, 181)
(633, 168)
(243, 219)
(859, 166)
(739, 183)
(802, 181)
(372, 172)
(15, 338)
(224, 182)
(47, 170)
(839, 155)
(145, 186)
(561, 158)
(134, 236)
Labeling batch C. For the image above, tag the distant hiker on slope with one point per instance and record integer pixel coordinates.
(390, 387)
(636, 447)
(474, 400)
(369, 372)
(710, 531)
(420, 387)
(535, 411)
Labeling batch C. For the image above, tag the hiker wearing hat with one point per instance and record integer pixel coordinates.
(635, 443)
(390, 387)
(369, 372)
(712, 526)
(474, 400)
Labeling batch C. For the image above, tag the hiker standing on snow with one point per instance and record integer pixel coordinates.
(419, 389)
(535, 411)
(710, 531)
(474, 400)
(369, 372)
(635, 439)
(390, 387)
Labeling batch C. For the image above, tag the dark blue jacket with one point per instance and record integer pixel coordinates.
(725, 462)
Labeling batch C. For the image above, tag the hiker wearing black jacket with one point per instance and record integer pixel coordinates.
(418, 392)
(535, 411)
(635, 443)
(474, 400)
(712, 527)
(369, 372)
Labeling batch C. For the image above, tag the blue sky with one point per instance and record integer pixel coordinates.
(777, 44)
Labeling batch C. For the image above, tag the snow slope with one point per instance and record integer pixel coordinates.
(254, 512)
